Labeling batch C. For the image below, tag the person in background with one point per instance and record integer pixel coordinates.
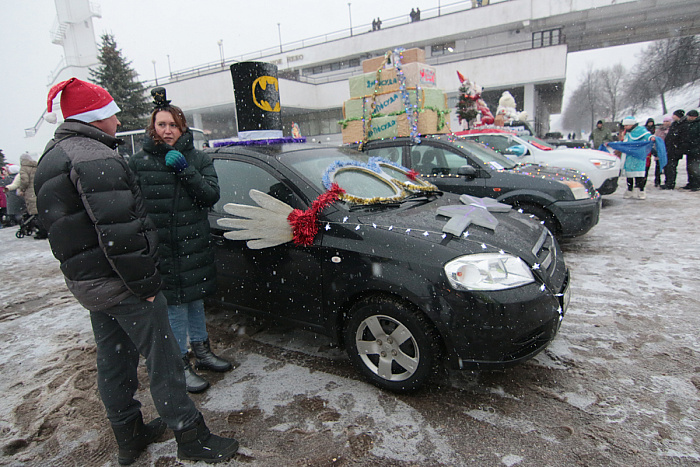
(179, 185)
(634, 168)
(692, 151)
(650, 126)
(660, 132)
(3, 198)
(15, 205)
(600, 135)
(675, 145)
(25, 189)
(91, 204)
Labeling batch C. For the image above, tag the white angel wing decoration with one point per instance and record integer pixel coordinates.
(265, 226)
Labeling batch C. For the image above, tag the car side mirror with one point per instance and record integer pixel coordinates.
(467, 171)
(518, 150)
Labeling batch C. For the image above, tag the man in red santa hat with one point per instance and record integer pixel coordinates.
(91, 205)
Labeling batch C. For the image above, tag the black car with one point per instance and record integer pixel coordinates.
(406, 277)
(563, 199)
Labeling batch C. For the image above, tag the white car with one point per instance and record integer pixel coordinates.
(602, 168)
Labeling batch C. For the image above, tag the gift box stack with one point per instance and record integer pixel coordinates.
(378, 99)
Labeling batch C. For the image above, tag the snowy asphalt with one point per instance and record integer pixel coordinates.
(620, 385)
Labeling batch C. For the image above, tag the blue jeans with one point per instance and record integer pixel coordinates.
(188, 319)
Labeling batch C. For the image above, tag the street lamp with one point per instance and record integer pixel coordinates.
(221, 51)
(438, 7)
(350, 13)
(279, 33)
(154, 71)
(170, 70)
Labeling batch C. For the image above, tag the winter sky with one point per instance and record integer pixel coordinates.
(187, 33)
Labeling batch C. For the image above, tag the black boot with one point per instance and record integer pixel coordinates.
(195, 383)
(134, 437)
(196, 443)
(205, 358)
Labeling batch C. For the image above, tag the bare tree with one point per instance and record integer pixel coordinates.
(585, 105)
(612, 86)
(665, 65)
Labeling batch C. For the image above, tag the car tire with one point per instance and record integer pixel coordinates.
(371, 342)
(542, 215)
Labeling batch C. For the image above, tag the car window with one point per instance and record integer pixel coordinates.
(538, 143)
(237, 178)
(488, 156)
(429, 160)
(496, 142)
(390, 154)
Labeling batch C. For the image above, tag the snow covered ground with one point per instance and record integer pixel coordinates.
(620, 385)
(686, 98)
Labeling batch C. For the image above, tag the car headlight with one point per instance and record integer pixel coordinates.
(579, 191)
(488, 271)
(603, 165)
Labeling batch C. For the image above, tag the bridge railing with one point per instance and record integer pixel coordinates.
(401, 20)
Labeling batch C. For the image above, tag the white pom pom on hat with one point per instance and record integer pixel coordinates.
(82, 101)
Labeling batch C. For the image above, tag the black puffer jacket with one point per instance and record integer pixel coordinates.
(677, 138)
(179, 205)
(91, 205)
(693, 137)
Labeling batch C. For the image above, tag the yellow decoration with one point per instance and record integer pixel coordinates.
(263, 82)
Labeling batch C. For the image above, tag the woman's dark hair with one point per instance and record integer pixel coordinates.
(178, 117)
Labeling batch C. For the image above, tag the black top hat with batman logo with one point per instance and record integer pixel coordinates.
(159, 100)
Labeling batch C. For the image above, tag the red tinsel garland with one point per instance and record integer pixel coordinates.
(305, 223)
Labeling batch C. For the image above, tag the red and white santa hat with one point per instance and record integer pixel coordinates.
(82, 101)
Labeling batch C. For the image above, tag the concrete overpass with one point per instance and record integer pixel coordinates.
(515, 45)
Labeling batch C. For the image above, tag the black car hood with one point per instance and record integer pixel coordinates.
(558, 174)
(515, 233)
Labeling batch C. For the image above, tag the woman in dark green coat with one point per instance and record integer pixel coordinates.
(179, 185)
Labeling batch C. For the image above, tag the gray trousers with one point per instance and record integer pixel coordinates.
(123, 332)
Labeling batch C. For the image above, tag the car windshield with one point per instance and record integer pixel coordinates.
(486, 155)
(361, 176)
(538, 143)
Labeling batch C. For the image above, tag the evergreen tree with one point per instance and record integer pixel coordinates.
(114, 73)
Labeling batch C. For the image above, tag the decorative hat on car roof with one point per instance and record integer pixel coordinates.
(159, 100)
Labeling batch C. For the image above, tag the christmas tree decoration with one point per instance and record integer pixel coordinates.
(471, 108)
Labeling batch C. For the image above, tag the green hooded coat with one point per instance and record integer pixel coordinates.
(178, 203)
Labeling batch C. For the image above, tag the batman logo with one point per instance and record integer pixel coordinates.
(264, 103)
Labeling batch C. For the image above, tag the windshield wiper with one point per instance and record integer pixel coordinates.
(357, 207)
